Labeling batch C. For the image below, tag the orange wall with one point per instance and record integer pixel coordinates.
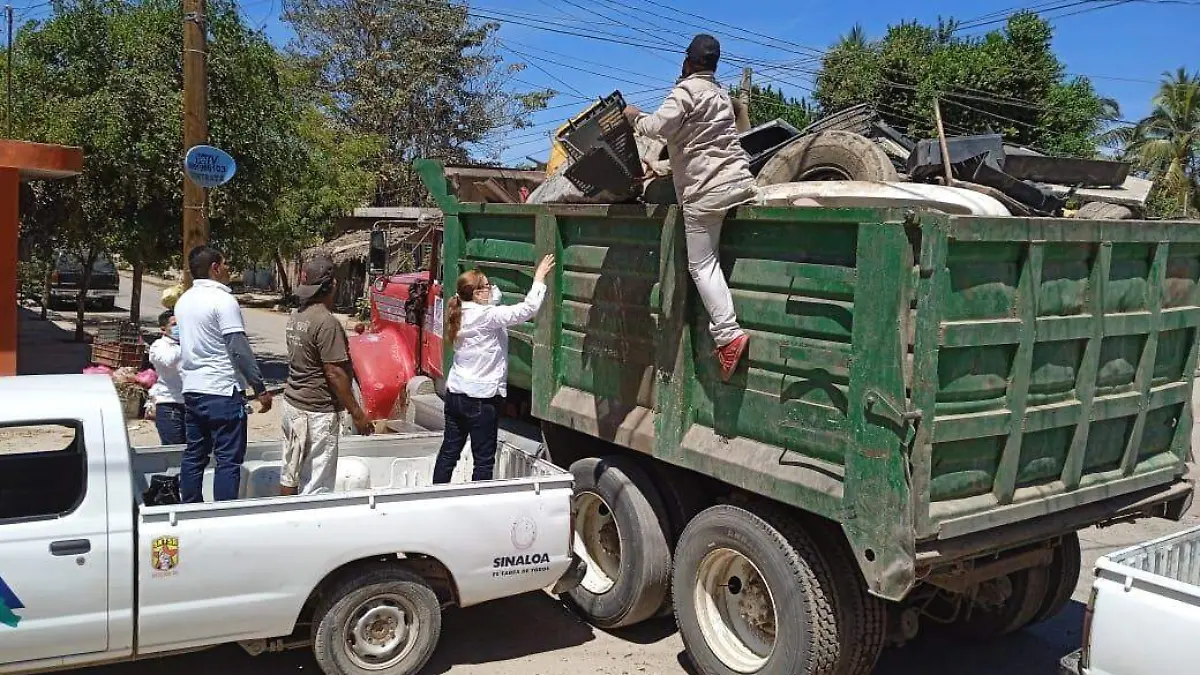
(10, 185)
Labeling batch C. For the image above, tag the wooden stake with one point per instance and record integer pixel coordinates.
(937, 116)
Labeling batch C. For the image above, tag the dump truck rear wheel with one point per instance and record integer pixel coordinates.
(621, 531)
(864, 615)
(1103, 211)
(683, 497)
(1006, 605)
(829, 155)
(1064, 575)
(754, 596)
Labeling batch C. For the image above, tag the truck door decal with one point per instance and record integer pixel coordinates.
(164, 556)
(435, 324)
(9, 602)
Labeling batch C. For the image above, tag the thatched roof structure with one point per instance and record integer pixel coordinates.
(355, 246)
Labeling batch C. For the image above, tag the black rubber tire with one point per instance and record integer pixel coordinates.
(803, 591)
(683, 498)
(845, 155)
(1028, 592)
(1103, 211)
(1063, 577)
(864, 616)
(107, 304)
(643, 528)
(329, 635)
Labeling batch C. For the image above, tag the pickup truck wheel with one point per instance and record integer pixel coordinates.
(828, 155)
(621, 532)
(1064, 575)
(754, 596)
(380, 620)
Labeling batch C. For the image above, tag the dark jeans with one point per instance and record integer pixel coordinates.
(216, 425)
(170, 420)
(474, 417)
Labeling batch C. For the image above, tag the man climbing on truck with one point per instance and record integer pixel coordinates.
(711, 172)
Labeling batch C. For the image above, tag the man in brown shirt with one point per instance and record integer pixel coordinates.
(319, 386)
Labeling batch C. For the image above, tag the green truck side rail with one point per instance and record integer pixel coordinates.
(911, 375)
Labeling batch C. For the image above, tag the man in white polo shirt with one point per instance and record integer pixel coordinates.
(215, 351)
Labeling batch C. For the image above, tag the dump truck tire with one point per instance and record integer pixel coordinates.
(1028, 590)
(621, 531)
(754, 594)
(1103, 211)
(829, 155)
(864, 616)
(1064, 575)
(683, 497)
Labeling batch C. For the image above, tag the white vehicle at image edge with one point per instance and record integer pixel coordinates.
(89, 574)
(1143, 617)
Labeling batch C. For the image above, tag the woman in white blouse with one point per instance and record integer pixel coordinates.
(477, 326)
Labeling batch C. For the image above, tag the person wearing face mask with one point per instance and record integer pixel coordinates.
(166, 395)
(477, 327)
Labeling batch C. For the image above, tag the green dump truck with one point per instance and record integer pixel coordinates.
(932, 407)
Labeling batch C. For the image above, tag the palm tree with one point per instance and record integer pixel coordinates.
(1166, 143)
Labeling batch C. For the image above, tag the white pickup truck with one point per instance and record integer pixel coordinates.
(90, 574)
(1143, 617)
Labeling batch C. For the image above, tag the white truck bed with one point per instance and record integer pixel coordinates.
(1145, 610)
(383, 500)
(394, 462)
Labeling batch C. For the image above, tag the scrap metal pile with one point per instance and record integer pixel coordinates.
(598, 158)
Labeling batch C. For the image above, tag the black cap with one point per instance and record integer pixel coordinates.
(317, 273)
(704, 51)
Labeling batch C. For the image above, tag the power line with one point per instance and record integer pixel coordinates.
(543, 70)
(497, 16)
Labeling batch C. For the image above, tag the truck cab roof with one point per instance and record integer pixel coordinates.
(42, 397)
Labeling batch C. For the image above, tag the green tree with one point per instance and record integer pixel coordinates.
(421, 76)
(331, 177)
(106, 75)
(1165, 145)
(1008, 81)
(768, 104)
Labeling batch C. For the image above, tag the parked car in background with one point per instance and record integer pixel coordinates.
(68, 276)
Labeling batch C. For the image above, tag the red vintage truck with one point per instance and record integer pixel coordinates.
(403, 340)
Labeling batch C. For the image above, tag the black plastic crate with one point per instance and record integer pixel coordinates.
(603, 151)
(599, 170)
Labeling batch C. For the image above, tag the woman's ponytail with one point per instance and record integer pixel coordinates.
(453, 319)
(468, 282)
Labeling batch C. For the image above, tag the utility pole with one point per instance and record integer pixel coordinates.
(195, 123)
(8, 72)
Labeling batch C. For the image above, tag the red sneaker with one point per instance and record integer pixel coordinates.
(729, 355)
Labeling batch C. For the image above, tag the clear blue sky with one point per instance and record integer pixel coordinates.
(1124, 46)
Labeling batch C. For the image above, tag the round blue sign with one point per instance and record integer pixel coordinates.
(209, 167)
